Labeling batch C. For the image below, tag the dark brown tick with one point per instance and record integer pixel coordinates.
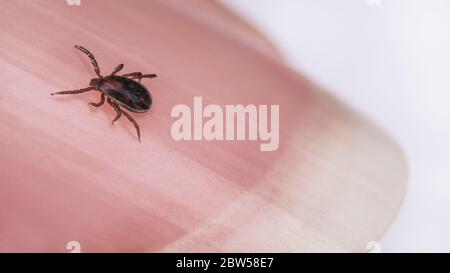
(120, 91)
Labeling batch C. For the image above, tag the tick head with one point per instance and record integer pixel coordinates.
(95, 82)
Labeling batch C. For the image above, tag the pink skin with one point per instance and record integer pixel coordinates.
(68, 174)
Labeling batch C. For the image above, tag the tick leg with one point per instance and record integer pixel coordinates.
(117, 108)
(100, 103)
(139, 76)
(117, 69)
(120, 112)
(133, 74)
(74, 91)
(134, 123)
(144, 76)
(93, 61)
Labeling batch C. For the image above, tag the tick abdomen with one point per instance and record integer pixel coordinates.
(128, 93)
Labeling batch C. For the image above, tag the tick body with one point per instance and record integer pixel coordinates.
(120, 91)
(128, 93)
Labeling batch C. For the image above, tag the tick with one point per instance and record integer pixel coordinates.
(120, 91)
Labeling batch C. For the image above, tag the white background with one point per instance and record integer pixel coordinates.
(392, 62)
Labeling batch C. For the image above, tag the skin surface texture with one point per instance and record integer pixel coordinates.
(335, 183)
